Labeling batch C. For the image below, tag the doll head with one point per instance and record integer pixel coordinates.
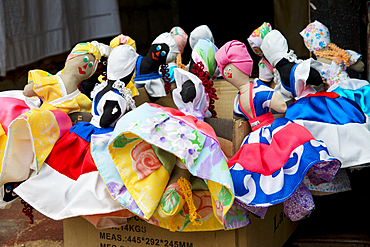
(316, 36)
(234, 63)
(82, 61)
(274, 47)
(200, 32)
(190, 95)
(122, 40)
(255, 39)
(204, 51)
(181, 38)
(164, 49)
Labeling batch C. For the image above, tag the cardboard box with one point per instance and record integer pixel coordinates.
(273, 231)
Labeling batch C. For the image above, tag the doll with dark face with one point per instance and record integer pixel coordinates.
(275, 49)
(163, 50)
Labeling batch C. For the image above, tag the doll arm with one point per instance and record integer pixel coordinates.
(112, 111)
(277, 103)
(28, 90)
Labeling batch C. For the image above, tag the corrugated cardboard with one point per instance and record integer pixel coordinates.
(272, 231)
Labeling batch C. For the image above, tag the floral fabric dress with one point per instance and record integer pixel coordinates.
(352, 88)
(270, 166)
(142, 148)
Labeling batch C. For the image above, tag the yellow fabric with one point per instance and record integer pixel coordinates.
(83, 48)
(45, 132)
(146, 192)
(122, 39)
(181, 221)
(3, 139)
(46, 87)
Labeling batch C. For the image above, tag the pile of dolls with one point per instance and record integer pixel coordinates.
(77, 143)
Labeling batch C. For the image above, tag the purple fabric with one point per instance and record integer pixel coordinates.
(300, 204)
(323, 172)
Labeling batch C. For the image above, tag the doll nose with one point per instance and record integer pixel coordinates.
(85, 66)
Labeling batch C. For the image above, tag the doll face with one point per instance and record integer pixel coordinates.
(234, 75)
(158, 52)
(80, 65)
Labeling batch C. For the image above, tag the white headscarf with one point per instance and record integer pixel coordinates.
(199, 107)
(201, 32)
(168, 39)
(274, 47)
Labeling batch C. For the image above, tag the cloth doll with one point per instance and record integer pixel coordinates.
(200, 32)
(163, 50)
(153, 146)
(86, 86)
(307, 72)
(337, 121)
(61, 91)
(335, 61)
(27, 135)
(274, 158)
(74, 186)
(181, 39)
(265, 70)
(126, 40)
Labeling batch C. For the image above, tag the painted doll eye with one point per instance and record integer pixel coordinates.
(158, 48)
(163, 53)
(90, 64)
(86, 59)
(229, 69)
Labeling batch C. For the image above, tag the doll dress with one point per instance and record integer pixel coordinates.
(336, 120)
(75, 187)
(137, 180)
(298, 88)
(352, 88)
(274, 158)
(152, 82)
(27, 136)
(51, 90)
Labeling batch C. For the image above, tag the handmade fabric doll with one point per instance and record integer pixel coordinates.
(335, 61)
(337, 121)
(200, 32)
(74, 186)
(126, 40)
(163, 50)
(265, 70)
(307, 72)
(274, 158)
(153, 146)
(181, 39)
(86, 86)
(61, 91)
(27, 135)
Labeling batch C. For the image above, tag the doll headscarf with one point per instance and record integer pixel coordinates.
(121, 62)
(315, 36)
(234, 52)
(274, 47)
(172, 44)
(201, 32)
(199, 106)
(122, 40)
(181, 38)
(255, 39)
(204, 51)
(86, 48)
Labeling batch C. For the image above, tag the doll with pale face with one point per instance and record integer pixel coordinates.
(260, 166)
(61, 91)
